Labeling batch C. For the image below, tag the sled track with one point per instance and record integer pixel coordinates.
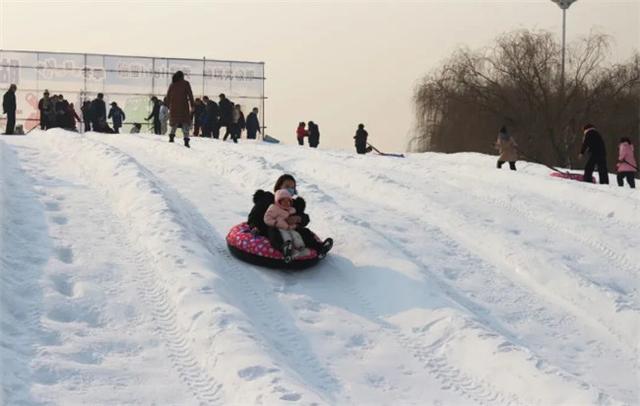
(449, 377)
(204, 387)
(514, 259)
(287, 336)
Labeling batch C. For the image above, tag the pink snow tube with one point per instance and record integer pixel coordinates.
(567, 175)
(257, 250)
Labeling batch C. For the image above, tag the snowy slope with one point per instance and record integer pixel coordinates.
(450, 282)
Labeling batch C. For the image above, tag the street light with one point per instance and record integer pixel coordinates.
(564, 5)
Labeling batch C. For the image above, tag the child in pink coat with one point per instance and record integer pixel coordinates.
(276, 216)
(627, 166)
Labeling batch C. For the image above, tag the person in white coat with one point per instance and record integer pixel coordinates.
(164, 117)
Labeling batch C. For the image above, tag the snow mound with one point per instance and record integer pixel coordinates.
(450, 282)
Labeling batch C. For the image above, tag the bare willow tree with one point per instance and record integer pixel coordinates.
(517, 82)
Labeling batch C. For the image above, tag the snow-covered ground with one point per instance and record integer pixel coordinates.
(450, 283)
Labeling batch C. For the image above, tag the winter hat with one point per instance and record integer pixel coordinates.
(282, 194)
(588, 127)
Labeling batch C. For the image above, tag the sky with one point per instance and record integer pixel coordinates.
(338, 63)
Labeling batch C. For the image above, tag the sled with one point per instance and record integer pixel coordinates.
(568, 175)
(384, 153)
(270, 139)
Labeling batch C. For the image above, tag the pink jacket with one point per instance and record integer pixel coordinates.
(276, 216)
(625, 153)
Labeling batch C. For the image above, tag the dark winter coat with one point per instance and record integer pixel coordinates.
(179, 100)
(117, 115)
(253, 124)
(226, 112)
(98, 110)
(261, 202)
(594, 144)
(155, 112)
(9, 102)
(44, 105)
(314, 135)
(361, 137)
(212, 112)
(199, 113)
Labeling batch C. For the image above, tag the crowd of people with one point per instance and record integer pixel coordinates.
(207, 118)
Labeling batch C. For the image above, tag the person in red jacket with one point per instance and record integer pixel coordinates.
(301, 132)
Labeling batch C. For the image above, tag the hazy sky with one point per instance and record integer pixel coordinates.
(337, 63)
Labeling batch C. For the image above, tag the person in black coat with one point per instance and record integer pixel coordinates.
(263, 199)
(86, 115)
(361, 139)
(44, 104)
(117, 116)
(593, 144)
(155, 115)
(212, 123)
(226, 115)
(9, 107)
(253, 124)
(314, 134)
(99, 114)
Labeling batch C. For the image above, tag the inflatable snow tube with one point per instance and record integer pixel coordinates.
(256, 250)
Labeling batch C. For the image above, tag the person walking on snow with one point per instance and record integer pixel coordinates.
(98, 114)
(627, 165)
(253, 125)
(226, 115)
(198, 117)
(9, 107)
(117, 116)
(508, 149)
(180, 101)
(594, 145)
(301, 132)
(361, 139)
(155, 115)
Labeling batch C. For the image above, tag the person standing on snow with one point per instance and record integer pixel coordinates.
(180, 101)
(212, 127)
(361, 139)
(314, 134)
(9, 107)
(226, 115)
(86, 115)
(44, 104)
(594, 145)
(155, 115)
(198, 116)
(301, 132)
(99, 114)
(253, 125)
(627, 165)
(508, 149)
(117, 116)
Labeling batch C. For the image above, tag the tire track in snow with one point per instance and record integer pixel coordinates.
(263, 166)
(288, 341)
(204, 387)
(472, 388)
(513, 261)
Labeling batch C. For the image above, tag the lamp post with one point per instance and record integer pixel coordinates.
(564, 5)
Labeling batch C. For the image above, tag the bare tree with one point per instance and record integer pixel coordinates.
(517, 82)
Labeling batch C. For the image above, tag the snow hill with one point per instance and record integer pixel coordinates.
(450, 283)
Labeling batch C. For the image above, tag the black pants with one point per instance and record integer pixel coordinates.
(157, 126)
(361, 148)
(87, 124)
(11, 122)
(300, 141)
(227, 131)
(512, 164)
(43, 121)
(630, 179)
(603, 174)
(116, 129)
(251, 134)
(275, 238)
